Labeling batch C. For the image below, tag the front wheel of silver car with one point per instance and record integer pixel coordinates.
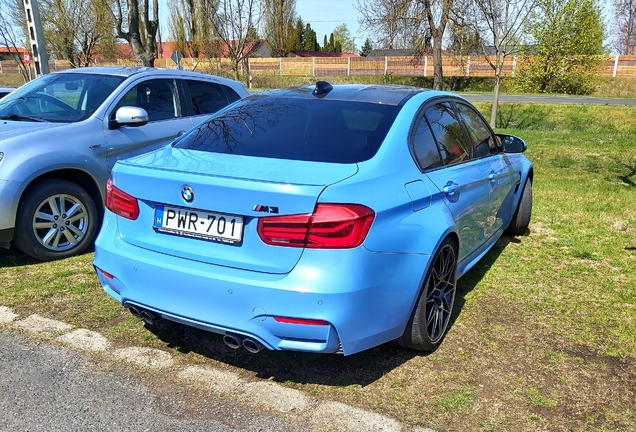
(56, 219)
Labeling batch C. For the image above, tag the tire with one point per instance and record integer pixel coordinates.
(429, 321)
(521, 218)
(56, 219)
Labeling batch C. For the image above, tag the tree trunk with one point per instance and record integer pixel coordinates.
(495, 101)
(438, 75)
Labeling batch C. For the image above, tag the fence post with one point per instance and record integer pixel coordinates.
(468, 67)
(348, 66)
(386, 65)
(313, 66)
(615, 66)
(280, 66)
(425, 64)
(514, 65)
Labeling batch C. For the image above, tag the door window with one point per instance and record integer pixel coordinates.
(448, 133)
(479, 133)
(158, 97)
(206, 97)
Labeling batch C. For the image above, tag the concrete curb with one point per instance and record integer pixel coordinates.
(321, 415)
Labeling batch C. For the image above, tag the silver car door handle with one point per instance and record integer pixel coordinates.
(492, 177)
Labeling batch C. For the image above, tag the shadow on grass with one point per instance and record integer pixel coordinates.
(13, 257)
(304, 368)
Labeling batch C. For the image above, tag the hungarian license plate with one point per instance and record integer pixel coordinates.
(201, 224)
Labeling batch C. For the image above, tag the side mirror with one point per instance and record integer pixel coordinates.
(512, 144)
(128, 116)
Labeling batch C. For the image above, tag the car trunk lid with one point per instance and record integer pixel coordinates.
(235, 188)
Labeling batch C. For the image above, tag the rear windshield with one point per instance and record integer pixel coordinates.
(298, 129)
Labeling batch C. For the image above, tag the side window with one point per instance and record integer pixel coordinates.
(158, 97)
(478, 131)
(206, 97)
(448, 133)
(425, 148)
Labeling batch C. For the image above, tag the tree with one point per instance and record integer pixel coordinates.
(496, 26)
(191, 30)
(366, 48)
(299, 34)
(11, 36)
(421, 21)
(140, 30)
(342, 34)
(391, 22)
(568, 39)
(280, 33)
(77, 30)
(625, 26)
(234, 23)
(310, 42)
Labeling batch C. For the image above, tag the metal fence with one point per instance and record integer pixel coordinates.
(454, 66)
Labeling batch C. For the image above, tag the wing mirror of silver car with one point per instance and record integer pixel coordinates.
(512, 144)
(129, 116)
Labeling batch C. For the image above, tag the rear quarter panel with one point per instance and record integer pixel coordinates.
(381, 185)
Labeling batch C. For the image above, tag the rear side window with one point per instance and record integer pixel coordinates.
(448, 133)
(425, 148)
(206, 97)
(298, 129)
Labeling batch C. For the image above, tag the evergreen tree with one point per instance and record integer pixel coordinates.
(366, 48)
(325, 44)
(299, 37)
(310, 43)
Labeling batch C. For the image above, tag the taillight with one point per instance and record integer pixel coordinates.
(121, 203)
(301, 321)
(330, 226)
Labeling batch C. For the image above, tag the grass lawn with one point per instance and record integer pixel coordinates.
(544, 332)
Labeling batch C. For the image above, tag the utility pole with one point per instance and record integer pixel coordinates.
(36, 36)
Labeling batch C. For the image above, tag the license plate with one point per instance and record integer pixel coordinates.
(207, 225)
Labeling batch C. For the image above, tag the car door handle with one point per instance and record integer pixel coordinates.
(450, 188)
(492, 177)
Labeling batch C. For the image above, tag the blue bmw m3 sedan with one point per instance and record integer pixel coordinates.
(326, 219)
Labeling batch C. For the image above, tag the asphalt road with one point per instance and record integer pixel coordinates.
(572, 100)
(44, 387)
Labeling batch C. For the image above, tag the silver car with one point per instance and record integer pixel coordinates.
(5, 91)
(61, 134)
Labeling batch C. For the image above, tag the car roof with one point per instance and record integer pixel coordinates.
(125, 71)
(373, 93)
(129, 71)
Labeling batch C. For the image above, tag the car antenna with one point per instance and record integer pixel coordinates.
(322, 88)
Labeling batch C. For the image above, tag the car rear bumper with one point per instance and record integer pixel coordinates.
(365, 297)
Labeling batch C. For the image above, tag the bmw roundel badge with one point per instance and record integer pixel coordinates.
(187, 194)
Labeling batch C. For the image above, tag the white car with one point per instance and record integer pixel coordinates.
(61, 134)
